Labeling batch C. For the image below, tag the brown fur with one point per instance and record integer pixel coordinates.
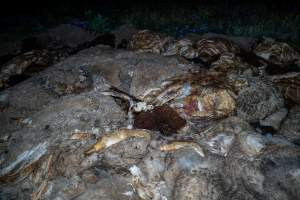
(161, 118)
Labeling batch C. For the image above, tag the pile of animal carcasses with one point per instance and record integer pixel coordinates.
(205, 119)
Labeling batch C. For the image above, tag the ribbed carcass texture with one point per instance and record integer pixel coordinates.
(210, 49)
(201, 89)
(198, 96)
(289, 86)
(148, 41)
(235, 72)
(277, 52)
(182, 47)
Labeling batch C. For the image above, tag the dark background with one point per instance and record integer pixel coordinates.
(69, 7)
(254, 18)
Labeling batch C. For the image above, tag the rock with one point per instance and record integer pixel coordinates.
(4, 101)
(154, 69)
(64, 82)
(275, 119)
(66, 35)
(125, 154)
(110, 187)
(49, 134)
(123, 35)
(122, 148)
(88, 70)
(24, 100)
(290, 127)
(58, 122)
(33, 94)
(198, 186)
(72, 188)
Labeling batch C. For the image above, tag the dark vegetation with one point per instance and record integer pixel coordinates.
(280, 20)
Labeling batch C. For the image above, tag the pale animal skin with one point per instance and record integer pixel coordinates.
(176, 145)
(116, 137)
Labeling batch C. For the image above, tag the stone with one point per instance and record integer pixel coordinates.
(275, 119)
(290, 127)
(65, 35)
(123, 35)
